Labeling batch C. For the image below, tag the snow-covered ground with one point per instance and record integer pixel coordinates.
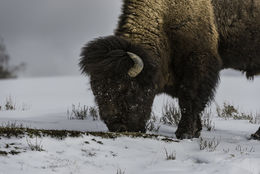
(43, 103)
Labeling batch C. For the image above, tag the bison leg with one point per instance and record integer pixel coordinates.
(256, 135)
(197, 85)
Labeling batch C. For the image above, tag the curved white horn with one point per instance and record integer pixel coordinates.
(138, 65)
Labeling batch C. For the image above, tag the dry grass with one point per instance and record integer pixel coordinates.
(228, 111)
(207, 120)
(82, 113)
(120, 171)
(171, 155)
(152, 125)
(9, 105)
(171, 114)
(35, 146)
(208, 144)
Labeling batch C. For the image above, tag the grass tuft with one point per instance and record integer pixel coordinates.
(152, 124)
(8, 105)
(208, 144)
(228, 111)
(170, 156)
(36, 146)
(82, 113)
(207, 120)
(171, 114)
(244, 150)
(120, 171)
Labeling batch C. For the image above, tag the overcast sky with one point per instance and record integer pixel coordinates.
(48, 34)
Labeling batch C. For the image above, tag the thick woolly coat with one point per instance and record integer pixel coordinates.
(183, 44)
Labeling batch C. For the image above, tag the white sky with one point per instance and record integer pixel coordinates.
(48, 34)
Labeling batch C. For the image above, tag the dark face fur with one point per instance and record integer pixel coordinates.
(124, 102)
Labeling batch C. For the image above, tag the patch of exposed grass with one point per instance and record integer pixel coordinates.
(99, 142)
(12, 131)
(12, 152)
(3, 153)
(20, 132)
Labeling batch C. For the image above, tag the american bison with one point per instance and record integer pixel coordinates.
(177, 47)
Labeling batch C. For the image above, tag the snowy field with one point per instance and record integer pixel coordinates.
(43, 103)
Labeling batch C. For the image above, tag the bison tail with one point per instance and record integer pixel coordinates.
(114, 56)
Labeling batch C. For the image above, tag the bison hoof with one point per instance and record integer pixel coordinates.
(255, 136)
(187, 135)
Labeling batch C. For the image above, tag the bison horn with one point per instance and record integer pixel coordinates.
(138, 65)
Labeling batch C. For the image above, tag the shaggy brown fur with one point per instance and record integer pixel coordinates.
(178, 42)
(239, 28)
(238, 23)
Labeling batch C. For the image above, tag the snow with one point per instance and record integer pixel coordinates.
(43, 103)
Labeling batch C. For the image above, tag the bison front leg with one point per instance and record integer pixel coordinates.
(256, 135)
(198, 80)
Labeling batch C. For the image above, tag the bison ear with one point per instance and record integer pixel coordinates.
(138, 65)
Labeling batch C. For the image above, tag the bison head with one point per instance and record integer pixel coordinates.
(122, 77)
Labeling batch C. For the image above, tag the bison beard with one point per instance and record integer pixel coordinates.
(177, 43)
